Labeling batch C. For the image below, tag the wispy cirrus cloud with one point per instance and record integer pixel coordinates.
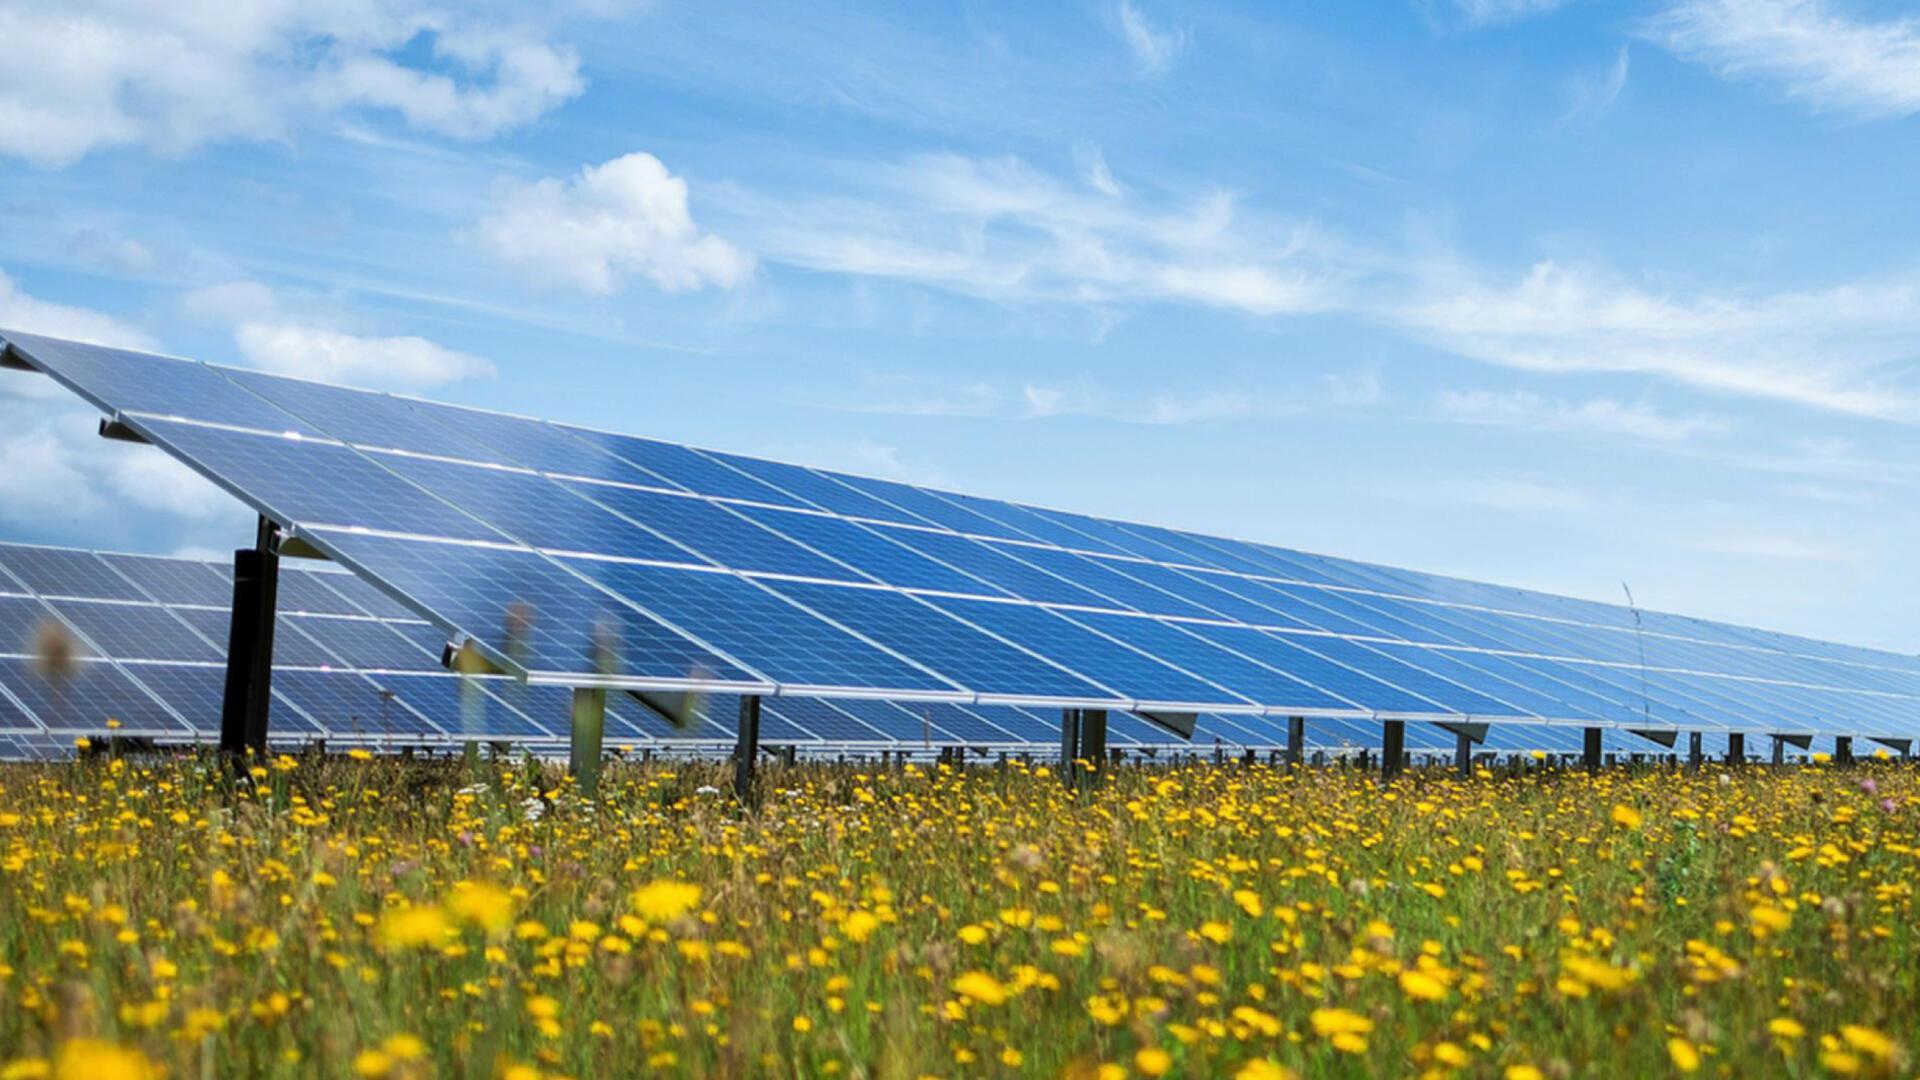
(1495, 12)
(1606, 416)
(1847, 348)
(1806, 49)
(1154, 49)
(1002, 229)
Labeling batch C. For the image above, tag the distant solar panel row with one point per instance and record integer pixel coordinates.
(354, 669)
(738, 575)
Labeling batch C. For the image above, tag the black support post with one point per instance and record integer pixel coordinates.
(1296, 740)
(1779, 751)
(588, 728)
(1696, 755)
(746, 752)
(1737, 748)
(1590, 749)
(1093, 742)
(1393, 749)
(1463, 754)
(1070, 747)
(1843, 750)
(249, 692)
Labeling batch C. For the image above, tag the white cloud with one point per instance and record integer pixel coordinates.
(1523, 408)
(1092, 163)
(1493, 12)
(315, 353)
(999, 228)
(1591, 94)
(276, 337)
(1846, 349)
(626, 217)
(20, 311)
(1519, 494)
(1154, 49)
(86, 74)
(55, 469)
(1811, 52)
(1773, 545)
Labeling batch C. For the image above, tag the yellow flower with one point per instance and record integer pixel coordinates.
(1522, 1072)
(371, 1063)
(90, 1059)
(1263, 1069)
(664, 901)
(1153, 1061)
(1450, 1055)
(1217, 932)
(1768, 919)
(1785, 1027)
(859, 926)
(1348, 1043)
(1839, 1061)
(404, 1047)
(802, 1024)
(981, 987)
(1685, 1058)
(413, 927)
(1421, 986)
(1249, 902)
(26, 1069)
(973, 935)
(1329, 1022)
(358, 754)
(1626, 817)
(486, 906)
(1867, 1041)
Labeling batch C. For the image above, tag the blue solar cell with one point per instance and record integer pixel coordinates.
(1000, 574)
(173, 581)
(757, 627)
(1337, 735)
(360, 417)
(292, 646)
(299, 589)
(532, 444)
(864, 549)
(135, 632)
(134, 382)
(926, 506)
(817, 489)
(1124, 671)
(306, 482)
(64, 572)
(1023, 520)
(822, 719)
(1020, 725)
(1190, 652)
(361, 597)
(1296, 602)
(1194, 550)
(969, 725)
(557, 626)
(1562, 681)
(1105, 578)
(537, 511)
(1259, 605)
(1526, 695)
(85, 700)
(1285, 653)
(342, 704)
(686, 468)
(951, 648)
(1451, 696)
(21, 619)
(1196, 588)
(198, 694)
(361, 643)
(894, 723)
(715, 532)
(14, 719)
(459, 707)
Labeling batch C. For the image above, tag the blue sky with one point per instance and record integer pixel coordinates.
(1557, 294)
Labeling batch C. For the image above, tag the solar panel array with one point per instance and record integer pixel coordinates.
(732, 574)
(354, 668)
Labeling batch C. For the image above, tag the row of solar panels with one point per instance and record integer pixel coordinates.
(735, 574)
(353, 668)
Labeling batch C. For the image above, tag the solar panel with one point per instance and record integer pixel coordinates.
(476, 521)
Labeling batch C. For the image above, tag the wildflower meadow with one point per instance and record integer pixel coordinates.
(393, 918)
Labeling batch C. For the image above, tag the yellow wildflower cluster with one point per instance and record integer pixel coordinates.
(393, 919)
